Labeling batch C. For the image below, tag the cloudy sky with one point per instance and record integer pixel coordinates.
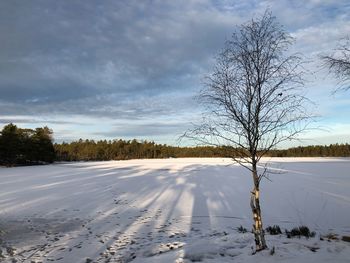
(130, 69)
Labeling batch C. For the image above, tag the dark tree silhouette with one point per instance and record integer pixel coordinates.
(254, 101)
(26, 146)
(9, 144)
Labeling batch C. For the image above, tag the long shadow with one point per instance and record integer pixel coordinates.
(134, 209)
(54, 188)
(161, 229)
(150, 205)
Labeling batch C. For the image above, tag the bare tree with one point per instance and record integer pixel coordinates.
(338, 63)
(254, 101)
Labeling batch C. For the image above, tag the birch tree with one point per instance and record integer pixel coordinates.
(254, 101)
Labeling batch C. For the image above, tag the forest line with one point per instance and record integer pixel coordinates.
(35, 146)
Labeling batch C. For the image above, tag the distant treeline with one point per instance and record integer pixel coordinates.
(25, 146)
(90, 150)
(333, 150)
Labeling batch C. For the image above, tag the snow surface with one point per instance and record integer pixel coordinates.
(171, 210)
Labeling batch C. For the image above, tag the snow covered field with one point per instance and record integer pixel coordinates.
(171, 210)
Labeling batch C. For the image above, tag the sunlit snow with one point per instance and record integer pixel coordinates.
(171, 210)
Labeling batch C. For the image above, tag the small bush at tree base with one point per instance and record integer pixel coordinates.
(241, 229)
(274, 230)
(300, 231)
(346, 238)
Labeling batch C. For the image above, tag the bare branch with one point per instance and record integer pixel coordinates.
(338, 63)
(253, 100)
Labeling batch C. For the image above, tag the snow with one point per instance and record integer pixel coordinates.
(171, 210)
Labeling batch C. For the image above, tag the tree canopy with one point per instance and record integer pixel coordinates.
(254, 100)
(26, 146)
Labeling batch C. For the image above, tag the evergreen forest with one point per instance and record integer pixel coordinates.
(20, 146)
(26, 146)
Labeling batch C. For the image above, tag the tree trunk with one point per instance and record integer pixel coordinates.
(258, 229)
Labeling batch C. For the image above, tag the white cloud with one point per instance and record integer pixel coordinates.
(131, 60)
